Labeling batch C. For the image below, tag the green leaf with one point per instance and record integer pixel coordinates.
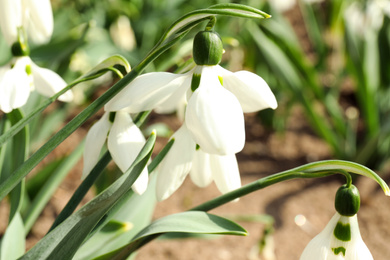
(63, 241)
(107, 65)
(84, 187)
(50, 186)
(13, 243)
(19, 152)
(186, 222)
(136, 212)
(197, 16)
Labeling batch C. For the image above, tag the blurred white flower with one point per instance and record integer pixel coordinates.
(124, 142)
(122, 33)
(340, 239)
(361, 17)
(214, 113)
(282, 5)
(185, 157)
(36, 17)
(21, 76)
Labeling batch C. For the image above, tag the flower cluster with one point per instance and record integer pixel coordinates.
(21, 75)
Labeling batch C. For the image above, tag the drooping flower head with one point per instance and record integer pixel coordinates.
(21, 75)
(35, 17)
(124, 142)
(341, 239)
(213, 130)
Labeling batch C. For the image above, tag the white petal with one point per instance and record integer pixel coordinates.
(250, 89)
(40, 20)
(225, 172)
(146, 92)
(125, 141)
(215, 118)
(319, 246)
(48, 83)
(14, 86)
(177, 101)
(176, 164)
(94, 142)
(10, 19)
(201, 173)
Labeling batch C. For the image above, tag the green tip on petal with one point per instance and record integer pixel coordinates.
(342, 232)
(339, 250)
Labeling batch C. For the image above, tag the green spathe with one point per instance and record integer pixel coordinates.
(208, 48)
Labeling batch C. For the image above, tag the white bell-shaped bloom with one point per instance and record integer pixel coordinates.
(340, 240)
(185, 157)
(362, 17)
(35, 16)
(21, 76)
(124, 142)
(214, 114)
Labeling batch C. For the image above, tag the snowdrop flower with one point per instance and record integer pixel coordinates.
(340, 239)
(36, 17)
(124, 142)
(213, 129)
(185, 157)
(216, 97)
(21, 76)
(362, 18)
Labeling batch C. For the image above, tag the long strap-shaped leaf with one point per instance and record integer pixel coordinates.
(184, 222)
(63, 242)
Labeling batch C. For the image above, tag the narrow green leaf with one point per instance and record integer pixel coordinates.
(186, 222)
(108, 64)
(19, 150)
(13, 243)
(103, 242)
(63, 241)
(84, 187)
(44, 195)
(237, 10)
(4, 126)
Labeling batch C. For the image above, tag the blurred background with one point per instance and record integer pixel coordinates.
(327, 61)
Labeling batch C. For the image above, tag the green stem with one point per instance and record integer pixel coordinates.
(258, 185)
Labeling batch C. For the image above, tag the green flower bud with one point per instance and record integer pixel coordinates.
(208, 48)
(347, 201)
